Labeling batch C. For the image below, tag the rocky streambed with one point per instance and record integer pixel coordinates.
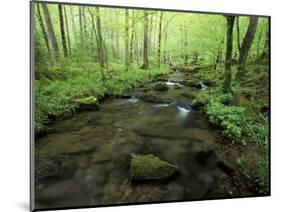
(88, 159)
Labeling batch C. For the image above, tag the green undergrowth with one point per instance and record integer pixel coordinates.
(239, 115)
(56, 96)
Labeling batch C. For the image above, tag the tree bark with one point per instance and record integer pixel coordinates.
(73, 24)
(45, 36)
(145, 42)
(127, 38)
(63, 39)
(51, 31)
(159, 40)
(67, 31)
(246, 45)
(81, 25)
(228, 57)
(100, 40)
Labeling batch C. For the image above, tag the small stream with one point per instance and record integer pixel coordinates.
(97, 147)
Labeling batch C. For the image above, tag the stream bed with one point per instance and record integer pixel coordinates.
(88, 155)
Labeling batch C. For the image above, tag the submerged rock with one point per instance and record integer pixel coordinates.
(150, 167)
(52, 167)
(87, 103)
(161, 87)
(154, 99)
(177, 86)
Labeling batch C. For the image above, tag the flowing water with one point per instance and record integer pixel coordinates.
(99, 145)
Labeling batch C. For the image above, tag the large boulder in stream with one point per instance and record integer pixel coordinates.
(161, 86)
(147, 97)
(150, 167)
(87, 103)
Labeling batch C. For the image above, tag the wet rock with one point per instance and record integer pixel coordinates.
(161, 87)
(154, 99)
(150, 167)
(203, 156)
(225, 168)
(87, 103)
(176, 86)
(190, 83)
(52, 167)
(160, 78)
(189, 94)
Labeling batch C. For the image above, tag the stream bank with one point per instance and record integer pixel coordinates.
(88, 155)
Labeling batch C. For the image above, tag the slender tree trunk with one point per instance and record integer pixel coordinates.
(145, 42)
(127, 62)
(238, 33)
(45, 36)
(67, 31)
(159, 40)
(73, 24)
(228, 56)
(100, 40)
(246, 45)
(51, 31)
(265, 51)
(63, 39)
(81, 26)
(185, 45)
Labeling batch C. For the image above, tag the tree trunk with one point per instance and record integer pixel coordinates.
(63, 39)
(127, 38)
(45, 36)
(100, 40)
(73, 24)
(51, 32)
(246, 45)
(67, 31)
(145, 42)
(159, 40)
(81, 25)
(228, 56)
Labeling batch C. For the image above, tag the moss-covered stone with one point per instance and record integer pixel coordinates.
(52, 167)
(147, 97)
(177, 86)
(87, 103)
(150, 167)
(190, 83)
(161, 87)
(189, 94)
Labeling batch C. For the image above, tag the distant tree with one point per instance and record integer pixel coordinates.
(67, 31)
(81, 25)
(127, 62)
(63, 39)
(159, 40)
(45, 36)
(145, 42)
(228, 56)
(100, 39)
(73, 23)
(246, 45)
(51, 31)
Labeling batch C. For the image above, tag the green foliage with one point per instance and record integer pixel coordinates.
(229, 118)
(56, 98)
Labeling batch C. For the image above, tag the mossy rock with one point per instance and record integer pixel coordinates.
(176, 86)
(160, 78)
(190, 83)
(197, 104)
(150, 167)
(52, 167)
(189, 94)
(87, 103)
(161, 87)
(147, 97)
